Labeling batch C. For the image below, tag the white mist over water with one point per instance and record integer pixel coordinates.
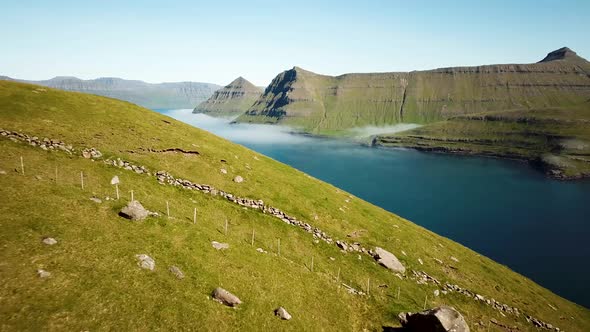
(373, 130)
(237, 132)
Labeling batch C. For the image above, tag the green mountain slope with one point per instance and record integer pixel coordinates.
(324, 104)
(231, 100)
(95, 281)
(172, 95)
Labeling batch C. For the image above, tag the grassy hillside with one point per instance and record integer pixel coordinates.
(95, 283)
(231, 100)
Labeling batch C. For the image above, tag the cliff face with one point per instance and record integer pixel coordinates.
(154, 96)
(321, 103)
(231, 100)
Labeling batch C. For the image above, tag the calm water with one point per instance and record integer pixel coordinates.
(502, 209)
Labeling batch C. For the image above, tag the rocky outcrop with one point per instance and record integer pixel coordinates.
(439, 319)
(231, 100)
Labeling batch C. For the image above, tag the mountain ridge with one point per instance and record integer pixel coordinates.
(165, 95)
(231, 100)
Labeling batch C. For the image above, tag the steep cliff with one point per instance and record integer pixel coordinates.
(322, 104)
(231, 100)
(154, 96)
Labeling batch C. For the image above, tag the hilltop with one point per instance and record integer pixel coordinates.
(231, 100)
(292, 240)
(154, 96)
(537, 112)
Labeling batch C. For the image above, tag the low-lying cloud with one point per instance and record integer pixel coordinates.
(374, 130)
(239, 132)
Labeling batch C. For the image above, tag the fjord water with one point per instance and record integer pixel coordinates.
(503, 209)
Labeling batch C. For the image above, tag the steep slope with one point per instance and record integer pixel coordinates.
(154, 96)
(231, 100)
(96, 283)
(324, 104)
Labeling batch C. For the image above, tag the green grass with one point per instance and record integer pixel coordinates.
(97, 285)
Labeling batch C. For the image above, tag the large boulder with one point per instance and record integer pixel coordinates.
(225, 297)
(134, 211)
(439, 319)
(388, 260)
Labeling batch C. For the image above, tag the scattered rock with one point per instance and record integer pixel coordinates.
(388, 260)
(134, 211)
(219, 246)
(176, 271)
(43, 274)
(441, 318)
(146, 262)
(420, 261)
(282, 313)
(115, 180)
(223, 171)
(238, 179)
(225, 297)
(49, 241)
(2, 172)
(454, 259)
(332, 258)
(262, 251)
(436, 292)
(91, 153)
(96, 200)
(342, 245)
(38, 177)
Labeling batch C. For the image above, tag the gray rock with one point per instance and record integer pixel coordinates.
(134, 211)
(43, 274)
(225, 297)
(2, 172)
(238, 179)
(388, 260)
(282, 313)
(223, 171)
(454, 259)
(115, 180)
(146, 262)
(219, 246)
(176, 271)
(96, 200)
(436, 292)
(49, 241)
(443, 319)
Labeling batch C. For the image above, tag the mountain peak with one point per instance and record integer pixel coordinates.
(242, 83)
(560, 54)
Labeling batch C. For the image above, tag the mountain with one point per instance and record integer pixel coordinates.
(231, 100)
(293, 241)
(321, 104)
(537, 112)
(155, 96)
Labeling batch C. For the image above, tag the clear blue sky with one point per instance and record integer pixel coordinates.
(216, 41)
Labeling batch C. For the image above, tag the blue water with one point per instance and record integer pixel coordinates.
(503, 209)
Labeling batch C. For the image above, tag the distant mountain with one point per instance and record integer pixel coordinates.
(320, 103)
(231, 100)
(154, 96)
